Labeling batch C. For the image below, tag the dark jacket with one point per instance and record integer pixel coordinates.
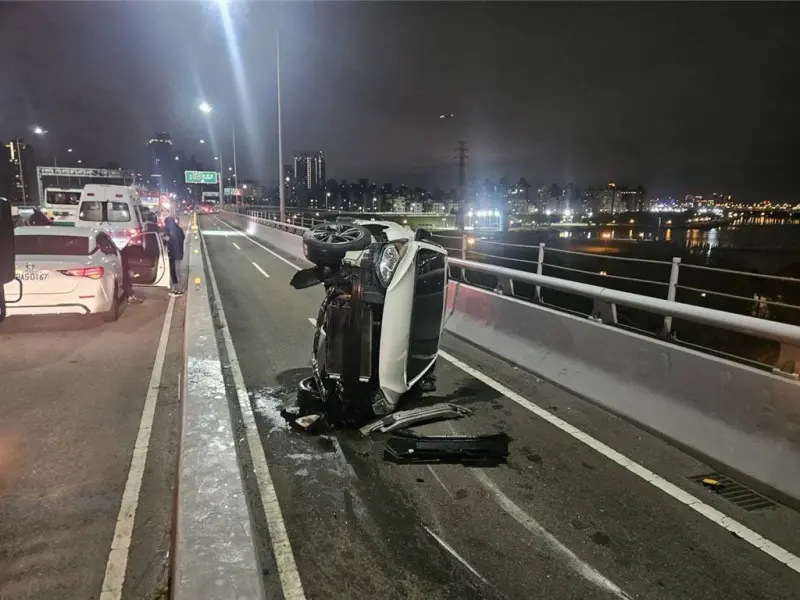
(175, 238)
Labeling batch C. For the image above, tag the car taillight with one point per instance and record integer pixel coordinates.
(135, 231)
(88, 272)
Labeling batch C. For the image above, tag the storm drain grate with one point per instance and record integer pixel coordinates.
(734, 492)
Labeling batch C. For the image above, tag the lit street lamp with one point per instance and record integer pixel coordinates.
(206, 108)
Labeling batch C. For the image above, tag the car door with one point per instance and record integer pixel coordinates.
(149, 261)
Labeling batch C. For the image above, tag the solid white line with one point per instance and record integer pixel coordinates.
(117, 562)
(777, 552)
(262, 271)
(235, 245)
(262, 246)
(281, 546)
(313, 321)
(457, 556)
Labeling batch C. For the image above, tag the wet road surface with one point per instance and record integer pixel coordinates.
(559, 521)
(73, 393)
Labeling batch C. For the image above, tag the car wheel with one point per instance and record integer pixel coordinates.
(327, 243)
(113, 314)
(309, 400)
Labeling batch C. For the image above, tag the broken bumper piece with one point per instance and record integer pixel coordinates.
(406, 418)
(482, 449)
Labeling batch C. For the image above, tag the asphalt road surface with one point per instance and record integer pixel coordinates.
(72, 400)
(559, 521)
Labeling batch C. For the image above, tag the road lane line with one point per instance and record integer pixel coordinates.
(262, 246)
(281, 546)
(712, 514)
(313, 321)
(262, 271)
(117, 563)
(235, 245)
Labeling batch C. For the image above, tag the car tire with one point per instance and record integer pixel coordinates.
(308, 397)
(113, 314)
(327, 243)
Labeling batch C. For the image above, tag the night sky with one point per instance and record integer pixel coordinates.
(684, 98)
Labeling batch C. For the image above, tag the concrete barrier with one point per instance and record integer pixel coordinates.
(284, 237)
(214, 552)
(737, 417)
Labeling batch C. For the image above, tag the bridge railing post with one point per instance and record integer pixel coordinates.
(463, 246)
(539, 267)
(671, 292)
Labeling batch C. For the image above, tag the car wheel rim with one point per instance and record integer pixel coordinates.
(336, 234)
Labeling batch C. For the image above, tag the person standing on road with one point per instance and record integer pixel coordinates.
(175, 238)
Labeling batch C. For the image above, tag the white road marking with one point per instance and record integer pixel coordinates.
(235, 245)
(313, 321)
(262, 246)
(777, 552)
(281, 546)
(457, 556)
(117, 562)
(260, 270)
(529, 523)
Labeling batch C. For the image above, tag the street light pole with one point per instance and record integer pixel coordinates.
(235, 170)
(281, 186)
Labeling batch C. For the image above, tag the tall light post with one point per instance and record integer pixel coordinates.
(206, 109)
(281, 188)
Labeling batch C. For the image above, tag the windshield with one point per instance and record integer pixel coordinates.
(58, 245)
(98, 211)
(63, 198)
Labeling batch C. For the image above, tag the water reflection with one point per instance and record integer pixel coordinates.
(783, 234)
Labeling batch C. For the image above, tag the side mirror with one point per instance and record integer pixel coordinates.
(7, 252)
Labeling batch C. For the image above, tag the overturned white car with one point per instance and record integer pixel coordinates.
(381, 319)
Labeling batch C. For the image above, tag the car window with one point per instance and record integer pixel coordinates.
(97, 211)
(106, 245)
(58, 245)
(118, 212)
(91, 210)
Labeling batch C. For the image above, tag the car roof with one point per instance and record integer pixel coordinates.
(57, 230)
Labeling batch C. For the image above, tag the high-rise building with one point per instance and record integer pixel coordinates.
(309, 173)
(16, 166)
(162, 161)
(309, 169)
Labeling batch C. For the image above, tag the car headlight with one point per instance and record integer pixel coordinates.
(389, 259)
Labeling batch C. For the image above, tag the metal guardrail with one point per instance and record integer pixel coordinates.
(673, 268)
(772, 330)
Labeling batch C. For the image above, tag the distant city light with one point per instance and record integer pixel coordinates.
(205, 107)
(202, 141)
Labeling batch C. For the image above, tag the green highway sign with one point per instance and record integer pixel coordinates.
(201, 177)
(232, 192)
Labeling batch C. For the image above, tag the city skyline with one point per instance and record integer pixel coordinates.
(681, 97)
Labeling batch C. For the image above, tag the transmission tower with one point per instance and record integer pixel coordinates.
(461, 156)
